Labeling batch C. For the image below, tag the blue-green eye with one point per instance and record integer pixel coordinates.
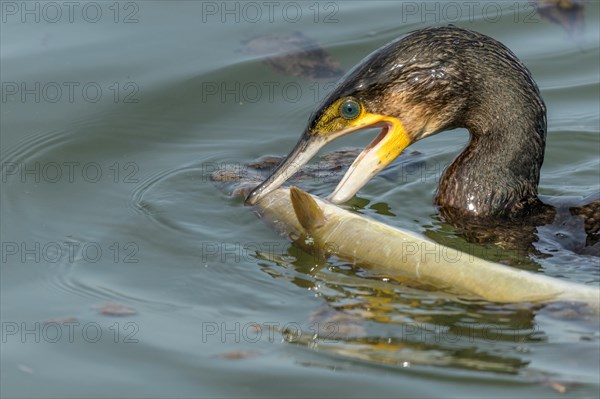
(349, 109)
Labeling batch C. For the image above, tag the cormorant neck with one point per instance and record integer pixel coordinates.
(497, 174)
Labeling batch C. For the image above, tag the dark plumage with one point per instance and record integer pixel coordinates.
(443, 78)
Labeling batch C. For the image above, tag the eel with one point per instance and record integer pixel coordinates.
(325, 229)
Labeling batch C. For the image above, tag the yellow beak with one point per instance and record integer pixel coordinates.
(386, 147)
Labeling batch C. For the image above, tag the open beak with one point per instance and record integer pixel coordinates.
(390, 142)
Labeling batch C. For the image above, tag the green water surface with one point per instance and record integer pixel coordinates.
(113, 115)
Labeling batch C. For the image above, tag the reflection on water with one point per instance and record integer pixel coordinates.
(107, 208)
(383, 320)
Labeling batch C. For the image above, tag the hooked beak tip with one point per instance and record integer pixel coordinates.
(305, 149)
(252, 198)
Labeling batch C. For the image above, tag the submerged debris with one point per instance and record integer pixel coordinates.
(240, 179)
(295, 55)
(63, 320)
(330, 165)
(116, 309)
(238, 355)
(331, 325)
(567, 13)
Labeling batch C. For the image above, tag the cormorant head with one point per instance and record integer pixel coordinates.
(409, 89)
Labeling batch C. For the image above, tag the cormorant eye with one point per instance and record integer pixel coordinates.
(349, 109)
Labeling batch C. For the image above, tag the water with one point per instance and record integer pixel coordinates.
(110, 126)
